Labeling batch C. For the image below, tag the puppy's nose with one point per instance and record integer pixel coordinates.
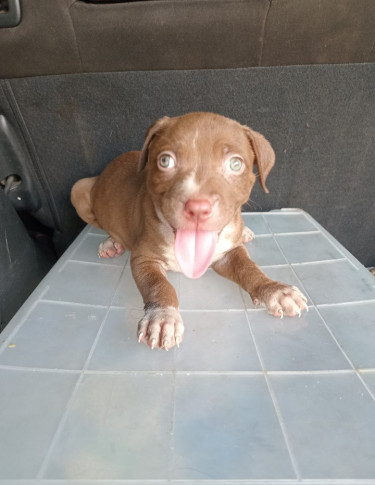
(198, 209)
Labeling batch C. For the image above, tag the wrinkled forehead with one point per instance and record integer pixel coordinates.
(204, 136)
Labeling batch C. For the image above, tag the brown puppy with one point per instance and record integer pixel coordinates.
(176, 205)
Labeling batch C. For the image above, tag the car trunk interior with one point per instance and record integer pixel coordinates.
(272, 401)
(81, 82)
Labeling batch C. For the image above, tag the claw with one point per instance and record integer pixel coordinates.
(281, 314)
(299, 313)
(178, 342)
(159, 327)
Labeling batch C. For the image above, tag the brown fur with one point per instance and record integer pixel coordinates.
(141, 205)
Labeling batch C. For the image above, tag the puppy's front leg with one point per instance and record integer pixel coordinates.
(280, 299)
(162, 324)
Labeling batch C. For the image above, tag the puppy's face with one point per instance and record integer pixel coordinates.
(200, 169)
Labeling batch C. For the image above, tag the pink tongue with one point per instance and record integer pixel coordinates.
(194, 250)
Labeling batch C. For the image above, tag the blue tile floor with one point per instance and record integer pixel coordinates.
(247, 399)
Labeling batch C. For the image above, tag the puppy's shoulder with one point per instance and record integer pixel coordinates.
(126, 162)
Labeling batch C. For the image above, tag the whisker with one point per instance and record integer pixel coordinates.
(251, 204)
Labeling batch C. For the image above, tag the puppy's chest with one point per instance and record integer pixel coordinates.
(223, 245)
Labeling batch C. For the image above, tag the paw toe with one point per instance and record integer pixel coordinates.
(247, 235)
(161, 328)
(110, 248)
(282, 300)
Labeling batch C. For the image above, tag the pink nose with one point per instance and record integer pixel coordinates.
(198, 209)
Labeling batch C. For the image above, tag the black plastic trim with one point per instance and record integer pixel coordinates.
(12, 16)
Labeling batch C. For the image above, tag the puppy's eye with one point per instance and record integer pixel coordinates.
(235, 164)
(166, 161)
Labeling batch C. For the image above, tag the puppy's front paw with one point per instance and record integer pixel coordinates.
(161, 327)
(280, 299)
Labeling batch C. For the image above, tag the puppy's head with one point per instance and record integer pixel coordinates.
(200, 168)
(199, 173)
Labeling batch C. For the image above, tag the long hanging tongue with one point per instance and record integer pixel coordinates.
(194, 250)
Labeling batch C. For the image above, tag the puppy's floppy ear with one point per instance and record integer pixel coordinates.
(264, 155)
(151, 132)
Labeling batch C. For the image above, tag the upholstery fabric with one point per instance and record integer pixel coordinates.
(319, 119)
(73, 36)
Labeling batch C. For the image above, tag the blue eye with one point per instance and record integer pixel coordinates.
(166, 161)
(235, 164)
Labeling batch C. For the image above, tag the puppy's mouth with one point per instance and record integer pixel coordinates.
(196, 233)
(194, 249)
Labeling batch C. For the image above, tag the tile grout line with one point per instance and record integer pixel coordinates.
(46, 370)
(161, 481)
(91, 263)
(97, 235)
(342, 250)
(289, 264)
(335, 246)
(18, 327)
(59, 428)
(320, 261)
(182, 372)
(345, 303)
(242, 294)
(293, 271)
(200, 310)
(171, 460)
(372, 395)
(292, 233)
(282, 425)
(71, 249)
(266, 222)
(238, 481)
(310, 372)
(186, 372)
(71, 303)
(265, 373)
(100, 260)
(61, 424)
(309, 296)
(297, 233)
(319, 229)
(85, 232)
